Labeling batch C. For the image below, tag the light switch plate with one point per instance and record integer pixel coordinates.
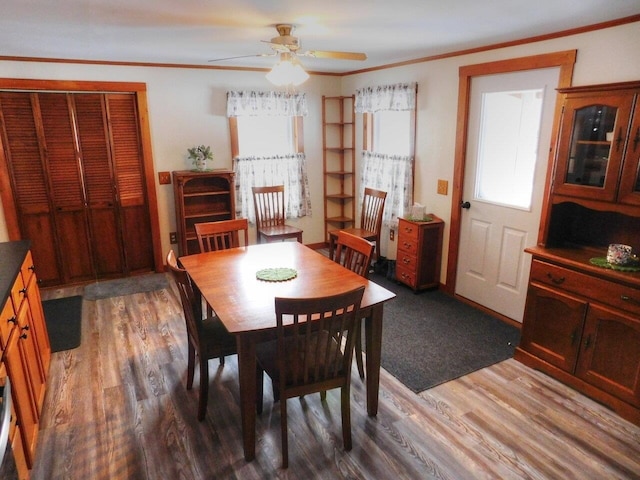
(443, 187)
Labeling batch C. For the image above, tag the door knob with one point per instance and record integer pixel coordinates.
(466, 205)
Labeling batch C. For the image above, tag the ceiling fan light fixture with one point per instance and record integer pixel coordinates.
(287, 72)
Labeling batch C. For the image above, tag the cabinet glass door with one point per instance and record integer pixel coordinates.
(630, 181)
(591, 144)
(593, 130)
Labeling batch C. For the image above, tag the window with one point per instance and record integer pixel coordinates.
(387, 159)
(392, 132)
(267, 148)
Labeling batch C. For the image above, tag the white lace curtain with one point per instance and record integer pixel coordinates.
(250, 103)
(289, 170)
(391, 173)
(398, 97)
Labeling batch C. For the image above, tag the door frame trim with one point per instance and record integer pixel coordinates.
(565, 60)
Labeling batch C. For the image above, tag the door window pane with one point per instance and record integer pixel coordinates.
(508, 146)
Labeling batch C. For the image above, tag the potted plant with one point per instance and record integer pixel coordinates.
(199, 156)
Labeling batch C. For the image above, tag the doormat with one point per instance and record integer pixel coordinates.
(430, 338)
(63, 317)
(125, 286)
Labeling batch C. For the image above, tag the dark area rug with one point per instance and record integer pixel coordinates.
(430, 338)
(125, 286)
(63, 318)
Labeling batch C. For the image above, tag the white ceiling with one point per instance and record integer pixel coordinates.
(195, 31)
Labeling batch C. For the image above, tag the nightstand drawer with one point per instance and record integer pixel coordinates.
(407, 230)
(406, 276)
(407, 262)
(408, 245)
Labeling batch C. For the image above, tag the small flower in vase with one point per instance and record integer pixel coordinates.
(199, 157)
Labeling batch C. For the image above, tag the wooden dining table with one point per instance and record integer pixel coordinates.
(245, 305)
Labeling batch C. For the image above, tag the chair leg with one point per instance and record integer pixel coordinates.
(190, 365)
(222, 360)
(259, 389)
(204, 388)
(358, 353)
(283, 433)
(345, 405)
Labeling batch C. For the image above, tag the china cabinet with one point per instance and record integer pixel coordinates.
(338, 141)
(201, 197)
(582, 315)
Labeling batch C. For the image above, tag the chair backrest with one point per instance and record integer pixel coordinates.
(269, 205)
(316, 337)
(221, 235)
(190, 305)
(354, 253)
(372, 209)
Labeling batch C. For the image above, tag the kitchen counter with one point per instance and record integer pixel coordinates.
(12, 255)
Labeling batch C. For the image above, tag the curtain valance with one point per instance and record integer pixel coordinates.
(398, 97)
(251, 103)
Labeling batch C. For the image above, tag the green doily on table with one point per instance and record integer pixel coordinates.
(276, 274)
(602, 262)
(425, 218)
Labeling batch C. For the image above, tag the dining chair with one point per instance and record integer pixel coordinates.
(312, 353)
(270, 215)
(354, 253)
(221, 235)
(370, 221)
(207, 338)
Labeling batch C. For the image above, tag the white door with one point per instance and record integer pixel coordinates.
(510, 120)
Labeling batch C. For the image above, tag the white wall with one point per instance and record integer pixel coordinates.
(187, 107)
(605, 56)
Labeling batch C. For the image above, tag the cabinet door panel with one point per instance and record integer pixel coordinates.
(591, 145)
(552, 326)
(610, 353)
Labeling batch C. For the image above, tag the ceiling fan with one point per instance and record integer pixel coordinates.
(289, 46)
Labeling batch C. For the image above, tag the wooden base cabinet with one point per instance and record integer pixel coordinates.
(419, 253)
(582, 326)
(24, 347)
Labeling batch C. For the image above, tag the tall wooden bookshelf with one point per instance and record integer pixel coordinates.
(338, 143)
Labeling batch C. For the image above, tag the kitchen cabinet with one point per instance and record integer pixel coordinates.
(598, 150)
(419, 252)
(338, 142)
(24, 343)
(201, 197)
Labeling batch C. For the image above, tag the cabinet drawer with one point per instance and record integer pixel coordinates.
(408, 245)
(18, 292)
(595, 289)
(406, 276)
(27, 268)
(407, 262)
(407, 230)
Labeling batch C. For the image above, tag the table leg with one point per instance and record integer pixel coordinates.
(247, 380)
(373, 341)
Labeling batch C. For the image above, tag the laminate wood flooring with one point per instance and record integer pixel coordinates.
(117, 408)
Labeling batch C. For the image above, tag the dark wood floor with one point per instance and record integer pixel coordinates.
(117, 408)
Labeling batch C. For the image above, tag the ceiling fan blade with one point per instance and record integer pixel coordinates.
(244, 56)
(336, 55)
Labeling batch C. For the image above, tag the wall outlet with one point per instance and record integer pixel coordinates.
(173, 238)
(392, 234)
(164, 178)
(443, 187)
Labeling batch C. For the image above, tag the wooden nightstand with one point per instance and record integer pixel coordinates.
(419, 253)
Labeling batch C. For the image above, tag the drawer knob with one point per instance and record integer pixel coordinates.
(556, 280)
(406, 261)
(12, 320)
(626, 298)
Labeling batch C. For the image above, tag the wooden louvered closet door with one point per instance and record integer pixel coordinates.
(78, 180)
